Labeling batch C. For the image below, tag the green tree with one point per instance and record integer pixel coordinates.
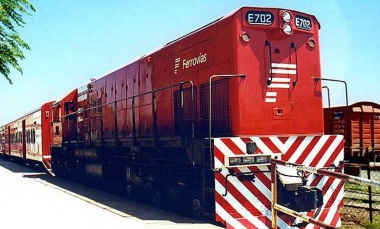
(11, 44)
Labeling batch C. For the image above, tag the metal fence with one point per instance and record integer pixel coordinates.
(362, 202)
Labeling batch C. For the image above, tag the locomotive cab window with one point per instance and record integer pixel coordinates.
(69, 109)
(56, 110)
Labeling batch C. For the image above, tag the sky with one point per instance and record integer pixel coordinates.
(74, 40)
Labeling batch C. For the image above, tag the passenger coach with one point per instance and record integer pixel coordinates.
(27, 137)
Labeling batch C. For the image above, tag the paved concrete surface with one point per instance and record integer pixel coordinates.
(32, 199)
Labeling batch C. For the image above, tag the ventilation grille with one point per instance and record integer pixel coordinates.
(221, 123)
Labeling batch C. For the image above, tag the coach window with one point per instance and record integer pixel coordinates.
(27, 136)
(33, 136)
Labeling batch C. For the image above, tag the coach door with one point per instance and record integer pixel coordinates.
(8, 140)
(23, 139)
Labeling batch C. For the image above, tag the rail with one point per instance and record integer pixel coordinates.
(322, 171)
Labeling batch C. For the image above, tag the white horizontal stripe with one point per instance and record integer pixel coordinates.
(277, 65)
(283, 71)
(276, 85)
(271, 94)
(270, 100)
(280, 80)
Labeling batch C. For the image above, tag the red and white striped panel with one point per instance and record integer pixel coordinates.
(248, 203)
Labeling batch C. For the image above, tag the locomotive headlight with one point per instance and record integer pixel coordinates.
(250, 160)
(286, 16)
(235, 161)
(262, 159)
(287, 29)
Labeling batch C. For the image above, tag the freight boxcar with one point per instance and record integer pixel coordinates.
(360, 125)
(196, 123)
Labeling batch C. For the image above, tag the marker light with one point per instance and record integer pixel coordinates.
(286, 16)
(287, 29)
(244, 36)
(311, 42)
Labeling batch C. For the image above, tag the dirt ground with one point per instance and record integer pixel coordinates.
(356, 217)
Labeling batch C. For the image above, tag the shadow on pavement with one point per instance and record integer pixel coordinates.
(94, 196)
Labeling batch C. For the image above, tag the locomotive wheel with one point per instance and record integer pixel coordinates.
(157, 199)
(196, 208)
(129, 192)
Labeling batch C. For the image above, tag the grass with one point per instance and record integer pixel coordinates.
(355, 187)
(360, 217)
(374, 225)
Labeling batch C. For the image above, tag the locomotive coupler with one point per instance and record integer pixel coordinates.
(294, 193)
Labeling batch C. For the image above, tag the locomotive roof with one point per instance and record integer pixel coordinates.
(188, 34)
(229, 15)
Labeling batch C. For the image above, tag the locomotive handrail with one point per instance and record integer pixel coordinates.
(323, 171)
(292, 45)
(329, 104)
(316, 78)
(153, 94)
(131, 97)
(267, 43)
(210, 114)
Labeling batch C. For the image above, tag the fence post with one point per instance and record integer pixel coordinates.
(369, 187)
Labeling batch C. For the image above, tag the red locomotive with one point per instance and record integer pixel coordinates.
(196, 123)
